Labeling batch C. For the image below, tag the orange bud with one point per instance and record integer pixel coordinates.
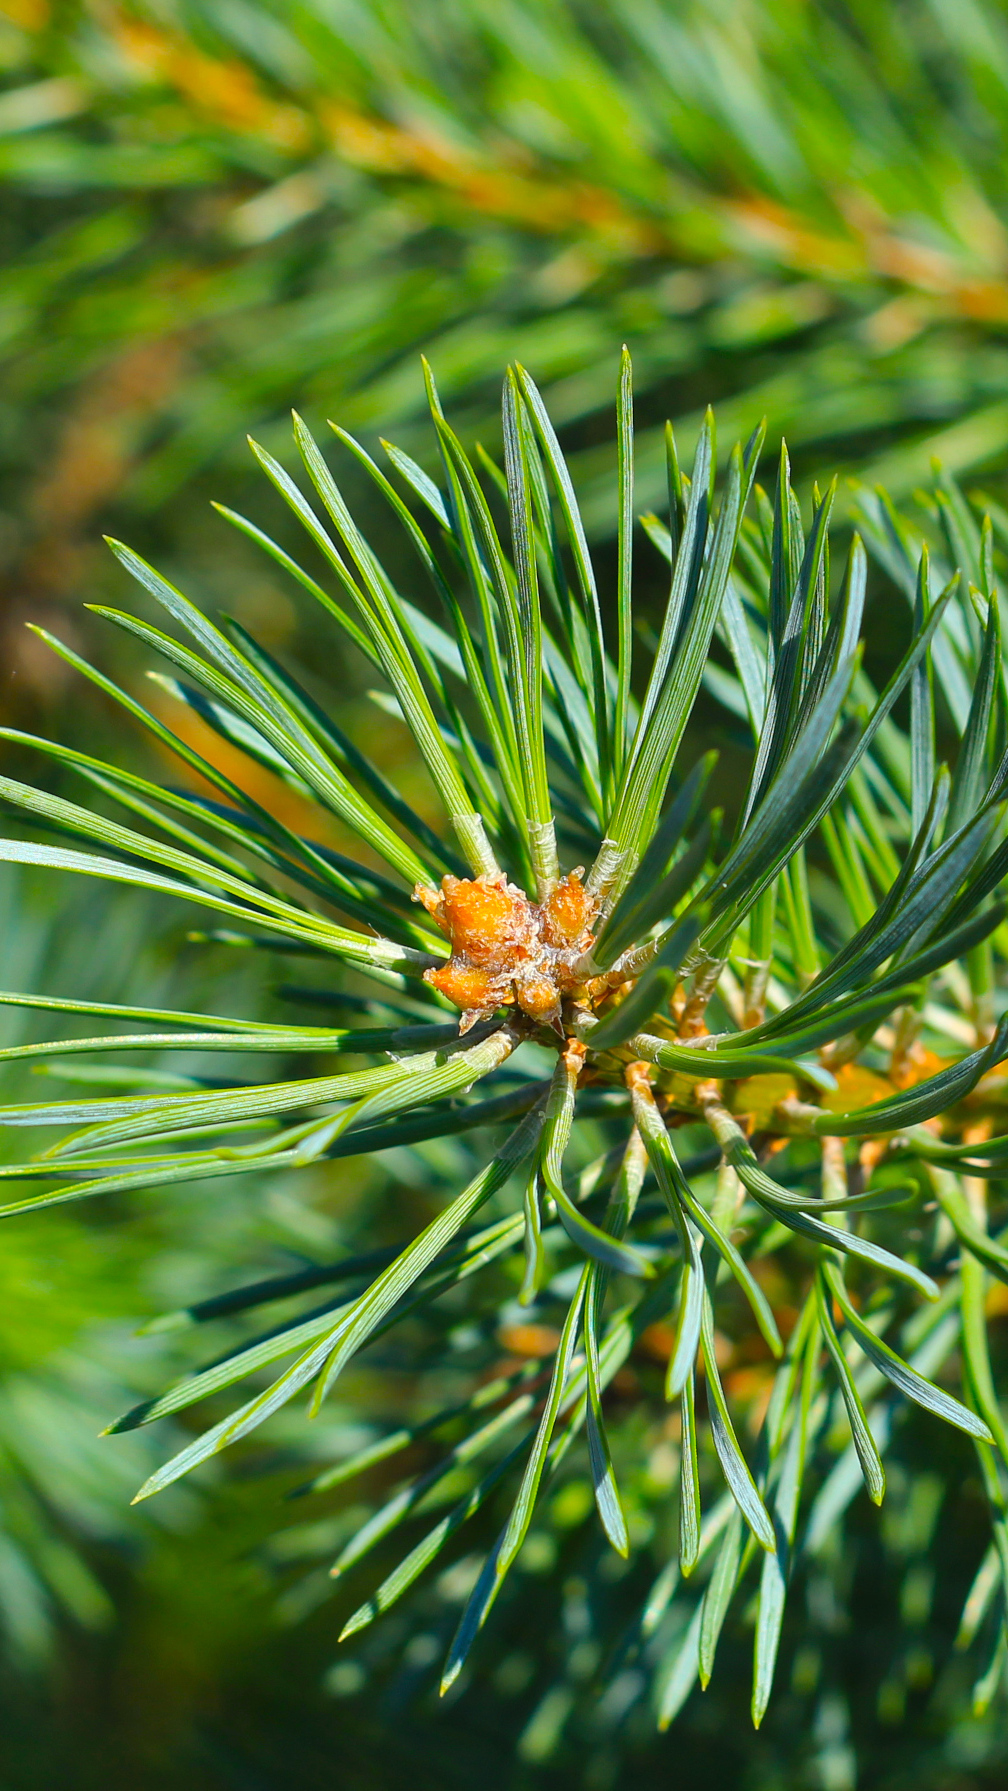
(567, 913)
(486, 922)
(538, 997)
(468, 987)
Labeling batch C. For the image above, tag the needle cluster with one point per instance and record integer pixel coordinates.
(730, 1099)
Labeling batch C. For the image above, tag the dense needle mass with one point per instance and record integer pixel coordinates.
(765, 1118)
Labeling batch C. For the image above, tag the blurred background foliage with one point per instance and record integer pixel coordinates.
(209, 212)
(215, 210)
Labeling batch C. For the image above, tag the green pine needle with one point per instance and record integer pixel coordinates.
(810, 996)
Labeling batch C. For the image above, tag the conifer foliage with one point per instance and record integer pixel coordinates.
(731, 1079)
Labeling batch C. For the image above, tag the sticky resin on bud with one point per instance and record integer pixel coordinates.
(568, 913)
(506, 950)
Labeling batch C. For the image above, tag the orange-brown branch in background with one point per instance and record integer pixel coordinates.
(865, 246)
